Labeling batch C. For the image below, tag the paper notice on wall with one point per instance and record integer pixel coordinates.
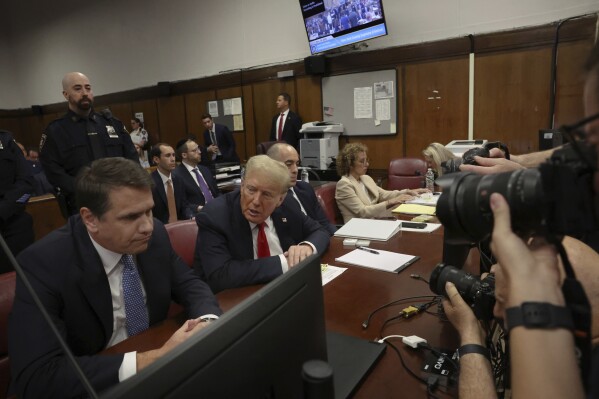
(329, 111)
(362, 102)
(213, 108)
(228, 106)
(236, 106)
(383, 90)
(383, 110)
(140, 116)
(237, 122)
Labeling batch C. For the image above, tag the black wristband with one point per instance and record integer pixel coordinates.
(539, 315)
(473, 348)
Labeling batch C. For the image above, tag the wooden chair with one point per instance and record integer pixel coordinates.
(7, 295)
(326, 197)
(406, 173)
(183, 235)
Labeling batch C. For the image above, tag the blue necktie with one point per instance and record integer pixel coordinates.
(135, 308)
(203, 186)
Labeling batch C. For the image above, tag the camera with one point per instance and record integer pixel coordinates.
(479, 294)
(453, 165)
(555, 198)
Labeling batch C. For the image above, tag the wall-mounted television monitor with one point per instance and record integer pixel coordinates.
(336, 23)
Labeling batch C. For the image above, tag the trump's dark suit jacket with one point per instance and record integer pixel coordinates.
(225, 143)
(160, 210)
(291, 134)
(224, 254)
(307, 197)
(67, 274)
(193, 194)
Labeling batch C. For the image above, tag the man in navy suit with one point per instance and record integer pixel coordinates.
(219, 142)
(84, 273)
(166, 209)
(286, 124)
(300, 194)
(200, 186)
(244, 237)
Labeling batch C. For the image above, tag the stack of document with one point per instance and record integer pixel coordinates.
(430, 200)
(369, 229)
(413, 209)
(378, 259)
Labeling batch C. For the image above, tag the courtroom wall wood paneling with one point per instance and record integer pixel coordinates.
(246, 144)
(171, 119)
(435, 103)
(511, 97)
(122, 112)
(13, 125)
(265, 97)
(570, 82)
(195, 106)
(309, 98)
(31, 130)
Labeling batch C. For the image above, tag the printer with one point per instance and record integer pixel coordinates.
(459, 147)
(320, 144)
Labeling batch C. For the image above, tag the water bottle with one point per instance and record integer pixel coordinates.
(305, 176)
(430, 180)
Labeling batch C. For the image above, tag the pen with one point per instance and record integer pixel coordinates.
(372, 251)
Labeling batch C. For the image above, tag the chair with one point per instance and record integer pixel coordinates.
(183, 235)
(406, 173)
(7, 294)
(326, 197)
(263, 147)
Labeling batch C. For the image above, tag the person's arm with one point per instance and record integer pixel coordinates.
(534, 159)
(476, 377)
(22, 181)
(543, 361)
(52, 162)
(346, 197)
(498, 164)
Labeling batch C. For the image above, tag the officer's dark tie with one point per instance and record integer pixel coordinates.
(95, 141)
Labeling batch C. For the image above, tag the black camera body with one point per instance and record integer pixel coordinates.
(479, 294)
(453, 165)
(557, 197)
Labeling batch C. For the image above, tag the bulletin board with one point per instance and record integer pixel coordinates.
(227, 112)
(365, 103)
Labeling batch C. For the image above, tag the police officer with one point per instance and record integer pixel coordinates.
(79, 137)
(16, 185)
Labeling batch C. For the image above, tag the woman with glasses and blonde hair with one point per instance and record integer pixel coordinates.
(357, 194)
(435, 155)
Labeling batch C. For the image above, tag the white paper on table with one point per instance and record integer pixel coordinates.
(330, 272)
(381, 260)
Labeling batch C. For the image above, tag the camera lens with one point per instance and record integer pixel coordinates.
(464, 208)
(467, 284)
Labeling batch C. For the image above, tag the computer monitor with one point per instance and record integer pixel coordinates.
(255, 350)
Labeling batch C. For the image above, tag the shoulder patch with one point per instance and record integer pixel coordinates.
(42, 141)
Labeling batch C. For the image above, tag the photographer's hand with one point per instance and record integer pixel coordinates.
(543, 361)
(489, 166)
(462, 317)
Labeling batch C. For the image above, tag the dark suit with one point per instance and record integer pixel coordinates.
(225, 143)
(160, 209)
(67, 273)
(291, 134)
(307, 197)
(224, 255)
(194, 195)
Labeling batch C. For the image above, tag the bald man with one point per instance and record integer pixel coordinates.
(80, 137)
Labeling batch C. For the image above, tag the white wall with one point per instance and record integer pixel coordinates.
(128, 44)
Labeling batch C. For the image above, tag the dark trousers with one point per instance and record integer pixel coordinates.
(17, 231)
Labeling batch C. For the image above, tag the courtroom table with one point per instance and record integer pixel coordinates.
(348, 300)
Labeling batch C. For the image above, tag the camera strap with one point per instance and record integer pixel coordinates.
(578, 303)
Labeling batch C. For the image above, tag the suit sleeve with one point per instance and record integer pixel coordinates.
(315, 233)
(348, 201)
(22, 182)
(273, 129)
(38, 365)
(52, 162)
(230, 153)
(215, 258)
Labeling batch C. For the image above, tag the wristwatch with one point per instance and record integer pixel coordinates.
(539, 315)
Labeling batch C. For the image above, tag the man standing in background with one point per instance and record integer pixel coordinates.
(219, 142)
(286, 124)
(79, 137)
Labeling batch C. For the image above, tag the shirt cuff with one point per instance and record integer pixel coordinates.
(128, 367)
(284, 264)
(314, 251)
(208, 317)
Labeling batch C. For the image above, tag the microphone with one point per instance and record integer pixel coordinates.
(88, 387)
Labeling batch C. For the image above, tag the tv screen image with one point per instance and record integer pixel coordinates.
(336, 23)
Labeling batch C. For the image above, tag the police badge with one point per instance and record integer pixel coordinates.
(42, 141)
(111, 132)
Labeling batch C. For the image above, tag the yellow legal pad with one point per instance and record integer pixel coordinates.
(414, 209)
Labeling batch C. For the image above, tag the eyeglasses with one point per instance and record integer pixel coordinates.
(363, 161)
(576, 136)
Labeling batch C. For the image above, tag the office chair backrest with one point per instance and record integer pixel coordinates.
(183, 235)
(406, 173)
(263, 147)
(326, 197)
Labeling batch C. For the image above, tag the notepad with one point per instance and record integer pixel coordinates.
(369, 229)
(431, 200)
(382, 260)
(414, 209)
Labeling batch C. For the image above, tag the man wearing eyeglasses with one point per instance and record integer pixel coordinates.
(246, 238)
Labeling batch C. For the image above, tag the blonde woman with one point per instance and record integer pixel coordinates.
(435, 154)
(357, 194)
